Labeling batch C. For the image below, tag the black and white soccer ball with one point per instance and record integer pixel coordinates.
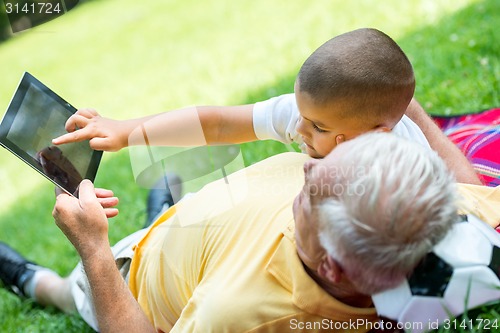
(462, 272)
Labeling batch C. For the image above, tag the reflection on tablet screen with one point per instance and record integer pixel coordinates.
(58, 168)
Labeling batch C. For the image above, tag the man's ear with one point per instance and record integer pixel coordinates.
(330, 270)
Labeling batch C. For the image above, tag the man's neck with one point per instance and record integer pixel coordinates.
(342, 291)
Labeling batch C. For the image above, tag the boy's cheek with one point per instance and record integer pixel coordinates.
(324, 147)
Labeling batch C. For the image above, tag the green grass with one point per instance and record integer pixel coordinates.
(129, 60)
(456, 61)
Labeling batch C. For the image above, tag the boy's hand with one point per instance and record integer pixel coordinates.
(104, 134)
(84, 221)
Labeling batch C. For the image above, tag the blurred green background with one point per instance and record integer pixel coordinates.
(127, 60)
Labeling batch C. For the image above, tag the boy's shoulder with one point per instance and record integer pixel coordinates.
(406, 128)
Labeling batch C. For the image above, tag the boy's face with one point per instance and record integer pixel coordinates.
(321, 128)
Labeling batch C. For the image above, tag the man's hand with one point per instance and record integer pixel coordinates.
(102, 133)
(84, 221)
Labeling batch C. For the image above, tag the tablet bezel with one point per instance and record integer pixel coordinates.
(26, 81)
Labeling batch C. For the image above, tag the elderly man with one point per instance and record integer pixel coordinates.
(274, 261)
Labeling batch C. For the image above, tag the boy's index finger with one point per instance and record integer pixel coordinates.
(76, 135)
(68, 138)
(76, 122)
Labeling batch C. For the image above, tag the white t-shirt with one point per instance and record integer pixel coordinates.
(277, 119)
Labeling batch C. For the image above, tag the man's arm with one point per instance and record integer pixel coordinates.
(84, 222)
(116, 308)
(453, 157)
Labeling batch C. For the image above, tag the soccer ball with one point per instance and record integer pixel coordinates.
(461, 272)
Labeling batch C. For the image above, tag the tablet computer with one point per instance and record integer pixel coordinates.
(35, 116)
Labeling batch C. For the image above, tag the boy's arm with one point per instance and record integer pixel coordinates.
(222, 124)
(453, 157)
(186, 127)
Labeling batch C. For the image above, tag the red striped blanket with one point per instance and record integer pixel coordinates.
(478, 137)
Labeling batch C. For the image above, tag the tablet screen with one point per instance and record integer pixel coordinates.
(35, 116)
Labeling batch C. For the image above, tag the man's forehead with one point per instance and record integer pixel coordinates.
(328, 172)
(318, 178)
(324, 167)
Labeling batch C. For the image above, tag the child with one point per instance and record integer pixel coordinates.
(354, 83)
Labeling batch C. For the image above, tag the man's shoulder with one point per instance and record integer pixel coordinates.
(287, 158)
(482, 201)
(285, 163)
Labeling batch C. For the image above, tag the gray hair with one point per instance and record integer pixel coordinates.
(388, 217)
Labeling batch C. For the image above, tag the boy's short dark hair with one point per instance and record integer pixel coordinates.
(364, 69)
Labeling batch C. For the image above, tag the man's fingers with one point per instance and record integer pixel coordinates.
(108, 202)
(63, 202)
(86, 193)
(106, 198)
(111, 212)
(103, 193)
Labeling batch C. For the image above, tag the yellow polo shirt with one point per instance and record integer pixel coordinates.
(224, 260)
(230, 265)
(482, 201)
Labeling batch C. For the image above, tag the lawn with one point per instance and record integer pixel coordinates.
(128, 60)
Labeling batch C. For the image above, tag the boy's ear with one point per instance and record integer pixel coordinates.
(330, 270)
(339, 139)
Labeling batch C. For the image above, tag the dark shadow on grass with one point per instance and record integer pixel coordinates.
(450, 74)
